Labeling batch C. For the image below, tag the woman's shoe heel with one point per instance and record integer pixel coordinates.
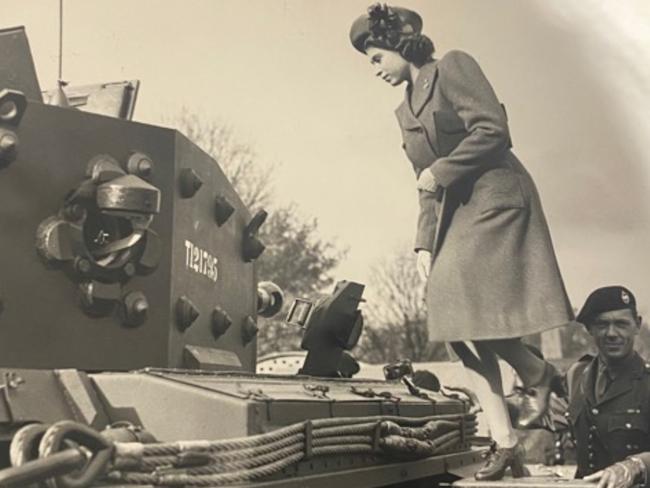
(499, 460)
(557, 386)
(518, 469)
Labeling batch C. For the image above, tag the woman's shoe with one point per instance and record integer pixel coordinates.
(499, 459)
(536, 399)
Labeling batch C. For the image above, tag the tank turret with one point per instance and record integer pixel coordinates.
(125, 243)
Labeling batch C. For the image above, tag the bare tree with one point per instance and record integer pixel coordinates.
(296, 257)
(239, 161)
(396, 317)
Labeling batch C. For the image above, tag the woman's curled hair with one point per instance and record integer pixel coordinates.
(387, 31)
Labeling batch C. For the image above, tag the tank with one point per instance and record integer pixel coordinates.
(129, 308)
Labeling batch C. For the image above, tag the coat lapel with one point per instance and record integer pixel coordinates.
(624, 382)
(422, 88)
(405, 117)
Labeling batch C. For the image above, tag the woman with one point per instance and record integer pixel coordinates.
(482, 240)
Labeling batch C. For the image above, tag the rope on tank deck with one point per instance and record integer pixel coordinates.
(69, 451)
(254, 457)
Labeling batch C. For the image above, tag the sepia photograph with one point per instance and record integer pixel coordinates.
(291, 243)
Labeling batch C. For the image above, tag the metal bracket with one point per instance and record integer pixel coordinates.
(317, 391)
(12, 106)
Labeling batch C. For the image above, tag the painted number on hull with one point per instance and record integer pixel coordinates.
(200, 261)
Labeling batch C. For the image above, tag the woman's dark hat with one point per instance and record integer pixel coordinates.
(385, 25)
(606, 299)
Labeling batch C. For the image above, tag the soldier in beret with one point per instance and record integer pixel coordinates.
(609, 395)
(482, 241)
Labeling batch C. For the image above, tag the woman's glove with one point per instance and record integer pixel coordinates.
(426, 181)
(423, 263)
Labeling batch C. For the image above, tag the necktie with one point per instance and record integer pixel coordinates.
(602, 382)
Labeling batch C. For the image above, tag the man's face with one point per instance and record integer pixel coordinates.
(614, 332)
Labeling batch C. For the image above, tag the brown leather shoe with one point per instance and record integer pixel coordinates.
(535, 401)
(499, 459)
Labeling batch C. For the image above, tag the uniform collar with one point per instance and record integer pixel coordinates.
(419, 93)
(630, 369)
(631, 364)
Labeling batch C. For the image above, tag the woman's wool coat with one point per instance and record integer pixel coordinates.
(494, 273)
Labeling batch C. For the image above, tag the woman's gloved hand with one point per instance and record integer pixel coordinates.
(423, 263)
(426, 181)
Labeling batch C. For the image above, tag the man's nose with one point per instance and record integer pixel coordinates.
(611, 331)
(378, 72)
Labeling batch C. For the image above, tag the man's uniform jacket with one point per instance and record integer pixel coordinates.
(494, 273)
(615, 426)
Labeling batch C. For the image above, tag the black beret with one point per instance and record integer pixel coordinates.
(606, 299)
(401, 21)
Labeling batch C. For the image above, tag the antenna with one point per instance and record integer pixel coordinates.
(60, 40)
(59, 98)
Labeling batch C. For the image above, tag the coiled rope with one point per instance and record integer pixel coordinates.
(67, 446)
(249, 458)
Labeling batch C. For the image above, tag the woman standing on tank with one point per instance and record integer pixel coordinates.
(482, 240)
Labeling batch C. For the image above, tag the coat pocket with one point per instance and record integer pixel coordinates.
(498, 188)
(417, 147)
(450, 131)
(627, 422)
(627, 434)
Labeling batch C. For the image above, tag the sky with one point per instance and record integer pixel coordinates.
(573, 74)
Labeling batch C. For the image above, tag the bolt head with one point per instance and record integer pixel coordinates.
(129, 270)
(140, 306)
(8, 141)
(8, 147)
(134, 309)
(82, 265)
(145, 166)
(139, 164)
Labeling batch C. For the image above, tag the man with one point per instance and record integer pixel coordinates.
(609, 395)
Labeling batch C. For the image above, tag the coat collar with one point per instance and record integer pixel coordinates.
(419, 93)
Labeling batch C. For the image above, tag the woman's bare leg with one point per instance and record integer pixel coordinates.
(528, 366)
(483, 371)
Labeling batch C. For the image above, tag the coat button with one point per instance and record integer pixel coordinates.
(594, 411)
(628, 425)
(591, 466)
(628, 447)
(593, 428)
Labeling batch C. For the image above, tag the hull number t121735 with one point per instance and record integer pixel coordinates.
(200, 261)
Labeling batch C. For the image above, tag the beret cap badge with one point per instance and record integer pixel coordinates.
(606, 299)
(625, 297)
